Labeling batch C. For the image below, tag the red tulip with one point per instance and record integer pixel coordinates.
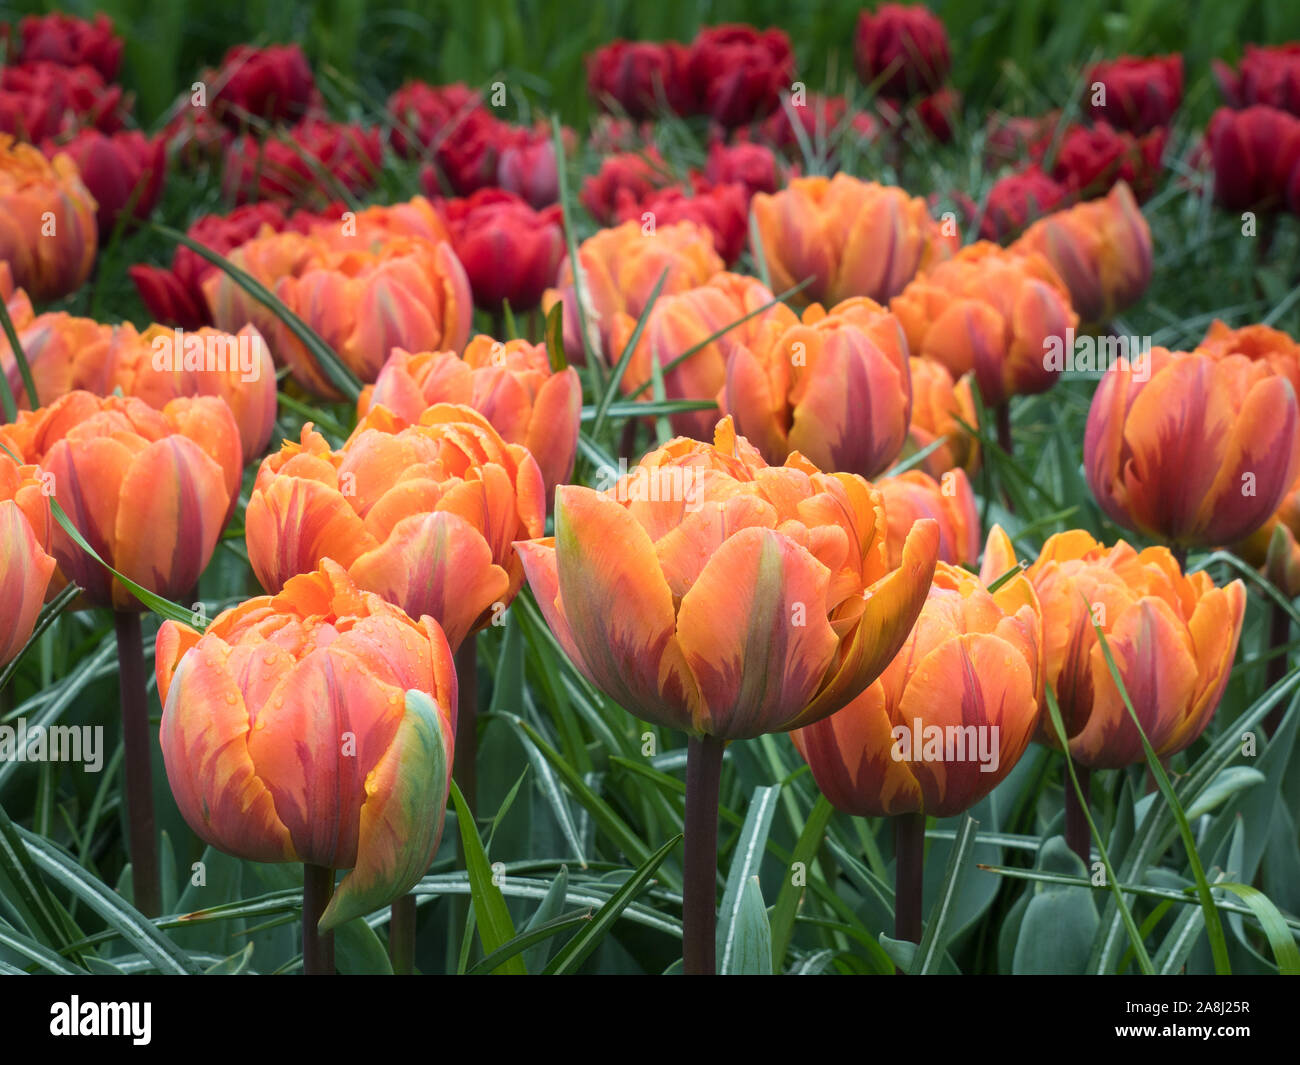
(737, 72)
(1018, 199)
(121, 170)
(1267, 75)
(721, 209)
(273, 83)
(622, 182)
(752, 165)
(70, 42)
(1136, 93)
(527, 165)
(427, 117)
(509, 251)
(277, 169)
(47, 100)
(1256, 153)
(902, 51)
(1090, 161)
(643, 78)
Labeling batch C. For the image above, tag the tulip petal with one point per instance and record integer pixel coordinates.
(402, 816)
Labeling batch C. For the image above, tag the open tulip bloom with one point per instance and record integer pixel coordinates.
(710, 592)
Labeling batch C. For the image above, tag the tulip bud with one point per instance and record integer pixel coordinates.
(1192, 450)
(313, 726)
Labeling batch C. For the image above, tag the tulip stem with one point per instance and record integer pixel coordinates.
(1005, 441)
(465, 771)
(1279, 635)
(1078, 836)
(1179, 551)
(909, 875)
(317, 946)
(401, 935)
(699, 895)
(138, 763)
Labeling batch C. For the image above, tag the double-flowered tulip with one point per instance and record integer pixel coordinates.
(1172, 638)
(422, 514)
(149, 490)
(851, 237)
(1192, 449)
(710, 592)
(47, 221)
(1100, 249)
(512, 384)
(620, 268)
(314, 726)
(834, 386)
(992, 312)
(951, 714)
(26, 565)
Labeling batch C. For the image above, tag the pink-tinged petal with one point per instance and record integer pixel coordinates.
(204, 739)
(174, 504)
(851, 757)
(291, 524)
(553, 431)
(757, 406)
(620, 609)
(539, 563)
(1154, 657)
(686, 550)
(979, 680)
(891, 609)
(316, 741)
(25, 571)
(754, 632)
(1215, 627)
(435, 564)
(402, 816)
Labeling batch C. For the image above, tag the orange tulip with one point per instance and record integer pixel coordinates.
(684, 320)
(1101, 249)
(834, 387)
(511, 384)
(149, 490)
(25, 563)
(1172, 638)
(620, 268)
(992, 312)
(65, 353)
(951, 714)
(423, 515)
(937, 404)
(1273, 547)
(1194, 450)
(48, 231)
(711, 592)
(914, 495)
(313, 726)
(16, 301)
(854, 238)
(1259, 343)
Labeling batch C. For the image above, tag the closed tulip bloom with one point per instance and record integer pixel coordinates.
(313, 726)
(411, 294)
(70, 41)
(901, 50)
(423, 515)
(852, 237)
(1139, 93)
(913, 495)
(992, 312)
(939, 406)
(511, 384)
(642, 78)
(722, 209)
(26, 564)
(118, 169)
(1172, 638)
(150, 490)
(951, 714)
(1191, 449)
(509, 251)
(685, 320)
(47, 221)
(1092, 159)
(835, 387)
(1255, 152)
(1100, 249)
(1017, 200)
(1268, 75)
(737, 72)
(620, 268)
(1273, 547)
(274, 84)
(710, 592)
(63, 352)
